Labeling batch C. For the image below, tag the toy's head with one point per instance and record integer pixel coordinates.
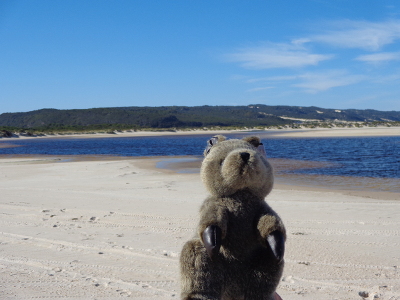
(233, 165)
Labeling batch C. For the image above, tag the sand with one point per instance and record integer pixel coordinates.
(113, 228)
(341, 132)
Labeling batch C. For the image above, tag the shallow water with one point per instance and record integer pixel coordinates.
(377, 157)
(286, 172)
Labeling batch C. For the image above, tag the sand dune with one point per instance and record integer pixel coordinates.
(108, 229)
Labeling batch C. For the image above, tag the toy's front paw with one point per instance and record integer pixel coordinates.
(276, 241)
(212, 239)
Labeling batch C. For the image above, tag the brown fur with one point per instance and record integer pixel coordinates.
(243, 264)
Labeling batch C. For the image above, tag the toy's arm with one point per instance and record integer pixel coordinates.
(212, 227)
(272, 234)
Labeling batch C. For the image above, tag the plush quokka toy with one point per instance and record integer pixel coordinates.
(238, 251)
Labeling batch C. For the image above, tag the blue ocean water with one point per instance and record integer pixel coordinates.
(360, 156)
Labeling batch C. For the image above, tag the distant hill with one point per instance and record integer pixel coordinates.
(183, 116)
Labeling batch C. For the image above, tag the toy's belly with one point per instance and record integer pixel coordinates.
(242, 237)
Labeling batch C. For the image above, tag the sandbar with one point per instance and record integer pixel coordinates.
(113, 228)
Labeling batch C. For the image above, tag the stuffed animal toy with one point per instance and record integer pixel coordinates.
(239, 247)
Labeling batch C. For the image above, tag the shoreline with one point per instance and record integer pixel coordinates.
(365, 187)
(272, 133)
(382, 188)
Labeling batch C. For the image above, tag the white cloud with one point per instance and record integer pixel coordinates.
(276, 56)
(272, 78)
(379, 57)
(387, 78)
(360, 34)
(322, 81)
(301, 41)
(260, 89)
(314, 82)
(298, 53)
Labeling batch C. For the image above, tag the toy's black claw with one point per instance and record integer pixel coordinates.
(212, 239)
(277, 243)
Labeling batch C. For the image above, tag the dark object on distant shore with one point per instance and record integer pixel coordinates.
(6, 133)
(24, 133)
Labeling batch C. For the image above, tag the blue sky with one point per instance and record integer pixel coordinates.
(83, 54)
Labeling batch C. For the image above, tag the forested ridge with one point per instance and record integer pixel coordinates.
(185, 117)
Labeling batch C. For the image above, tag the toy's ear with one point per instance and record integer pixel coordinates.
(254, 140)
(212, 142)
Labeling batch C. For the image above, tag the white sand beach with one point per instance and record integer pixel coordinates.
(286, 132)
(92, 228)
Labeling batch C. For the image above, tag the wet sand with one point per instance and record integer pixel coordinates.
(113, 228)
(7, 145)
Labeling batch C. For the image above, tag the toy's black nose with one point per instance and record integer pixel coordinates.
(245, 156)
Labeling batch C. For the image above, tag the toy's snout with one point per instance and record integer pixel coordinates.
(241, 164)
(245, 156)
